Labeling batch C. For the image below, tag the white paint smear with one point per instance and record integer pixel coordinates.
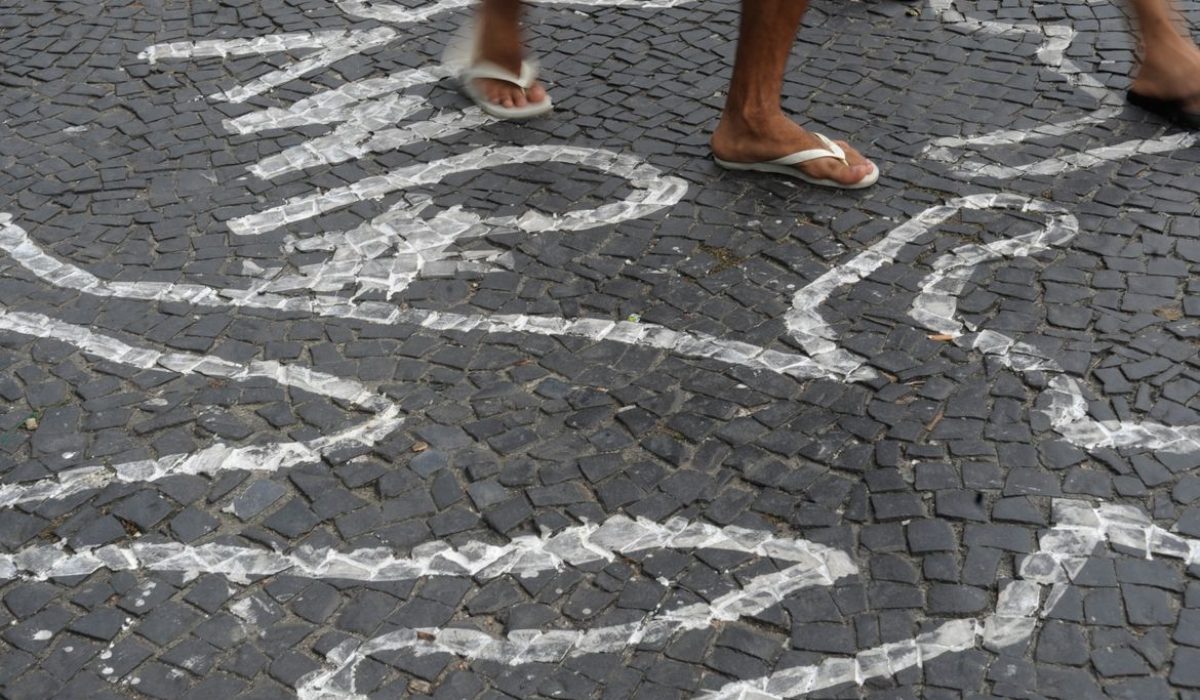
(362, 137)
(1056, 165)
(212, 460)
(652, 191)
(395, 248)
(1080, 528)
(367, 108)
(882, 661)
(349, 103)
(1063, 550)
(16, 242)
(389, 252)
(1079, 531)
(367, 112)
(323, 49)
(522, 556)
(413, 245)
(824, 568)
(818, 566)
(115, 350)
(1066, 407)
(215, 458)
(1056, 40)
(936, 306)
(399, 14)
(327, 48)
(1012, 623)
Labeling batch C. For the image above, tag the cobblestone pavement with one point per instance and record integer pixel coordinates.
(317, 383)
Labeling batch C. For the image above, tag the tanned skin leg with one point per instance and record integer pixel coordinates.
(1170, 67)
(753, 126)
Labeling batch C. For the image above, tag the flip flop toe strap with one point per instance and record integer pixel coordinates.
(490, 71)
(831, 150)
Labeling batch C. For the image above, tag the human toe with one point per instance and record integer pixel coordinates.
(856, 169)
(850, 173)
(536, 93)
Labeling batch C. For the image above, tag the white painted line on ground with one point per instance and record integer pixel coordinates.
(936, 306)
(357, 139)
(553, 646)
(1056, 165)
(652, 190)
(16, 242)
(388, 253)
(367, 112)
(1080, 528)
(330, 46)
(216, 458)
(418, 245)
(1079, 531)
(399, 14)
(522, 556)
(1066, 406)
(212, 460)
(350, 102)
(1057, 40)
(116, 350)
(423, 243)
(818, 566)
(881, 661)
(355, 253)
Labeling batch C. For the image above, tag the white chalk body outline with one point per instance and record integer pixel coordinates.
(364, 112)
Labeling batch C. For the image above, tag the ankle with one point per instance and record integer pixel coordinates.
(499, 41)
(1167, 51)
(752, 120)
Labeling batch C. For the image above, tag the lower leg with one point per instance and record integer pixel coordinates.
(499, 42)
(765, 37)
(753, 126)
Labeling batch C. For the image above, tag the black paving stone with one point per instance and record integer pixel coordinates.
(103, 624)
(1148, 606)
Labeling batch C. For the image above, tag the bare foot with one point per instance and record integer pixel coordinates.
(1171, 70)
(758, 139)
(500, 43)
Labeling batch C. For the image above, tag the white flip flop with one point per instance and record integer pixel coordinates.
(786, 165)
(491, 71)
(460, 58)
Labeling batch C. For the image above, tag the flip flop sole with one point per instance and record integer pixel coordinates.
(794, 172)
